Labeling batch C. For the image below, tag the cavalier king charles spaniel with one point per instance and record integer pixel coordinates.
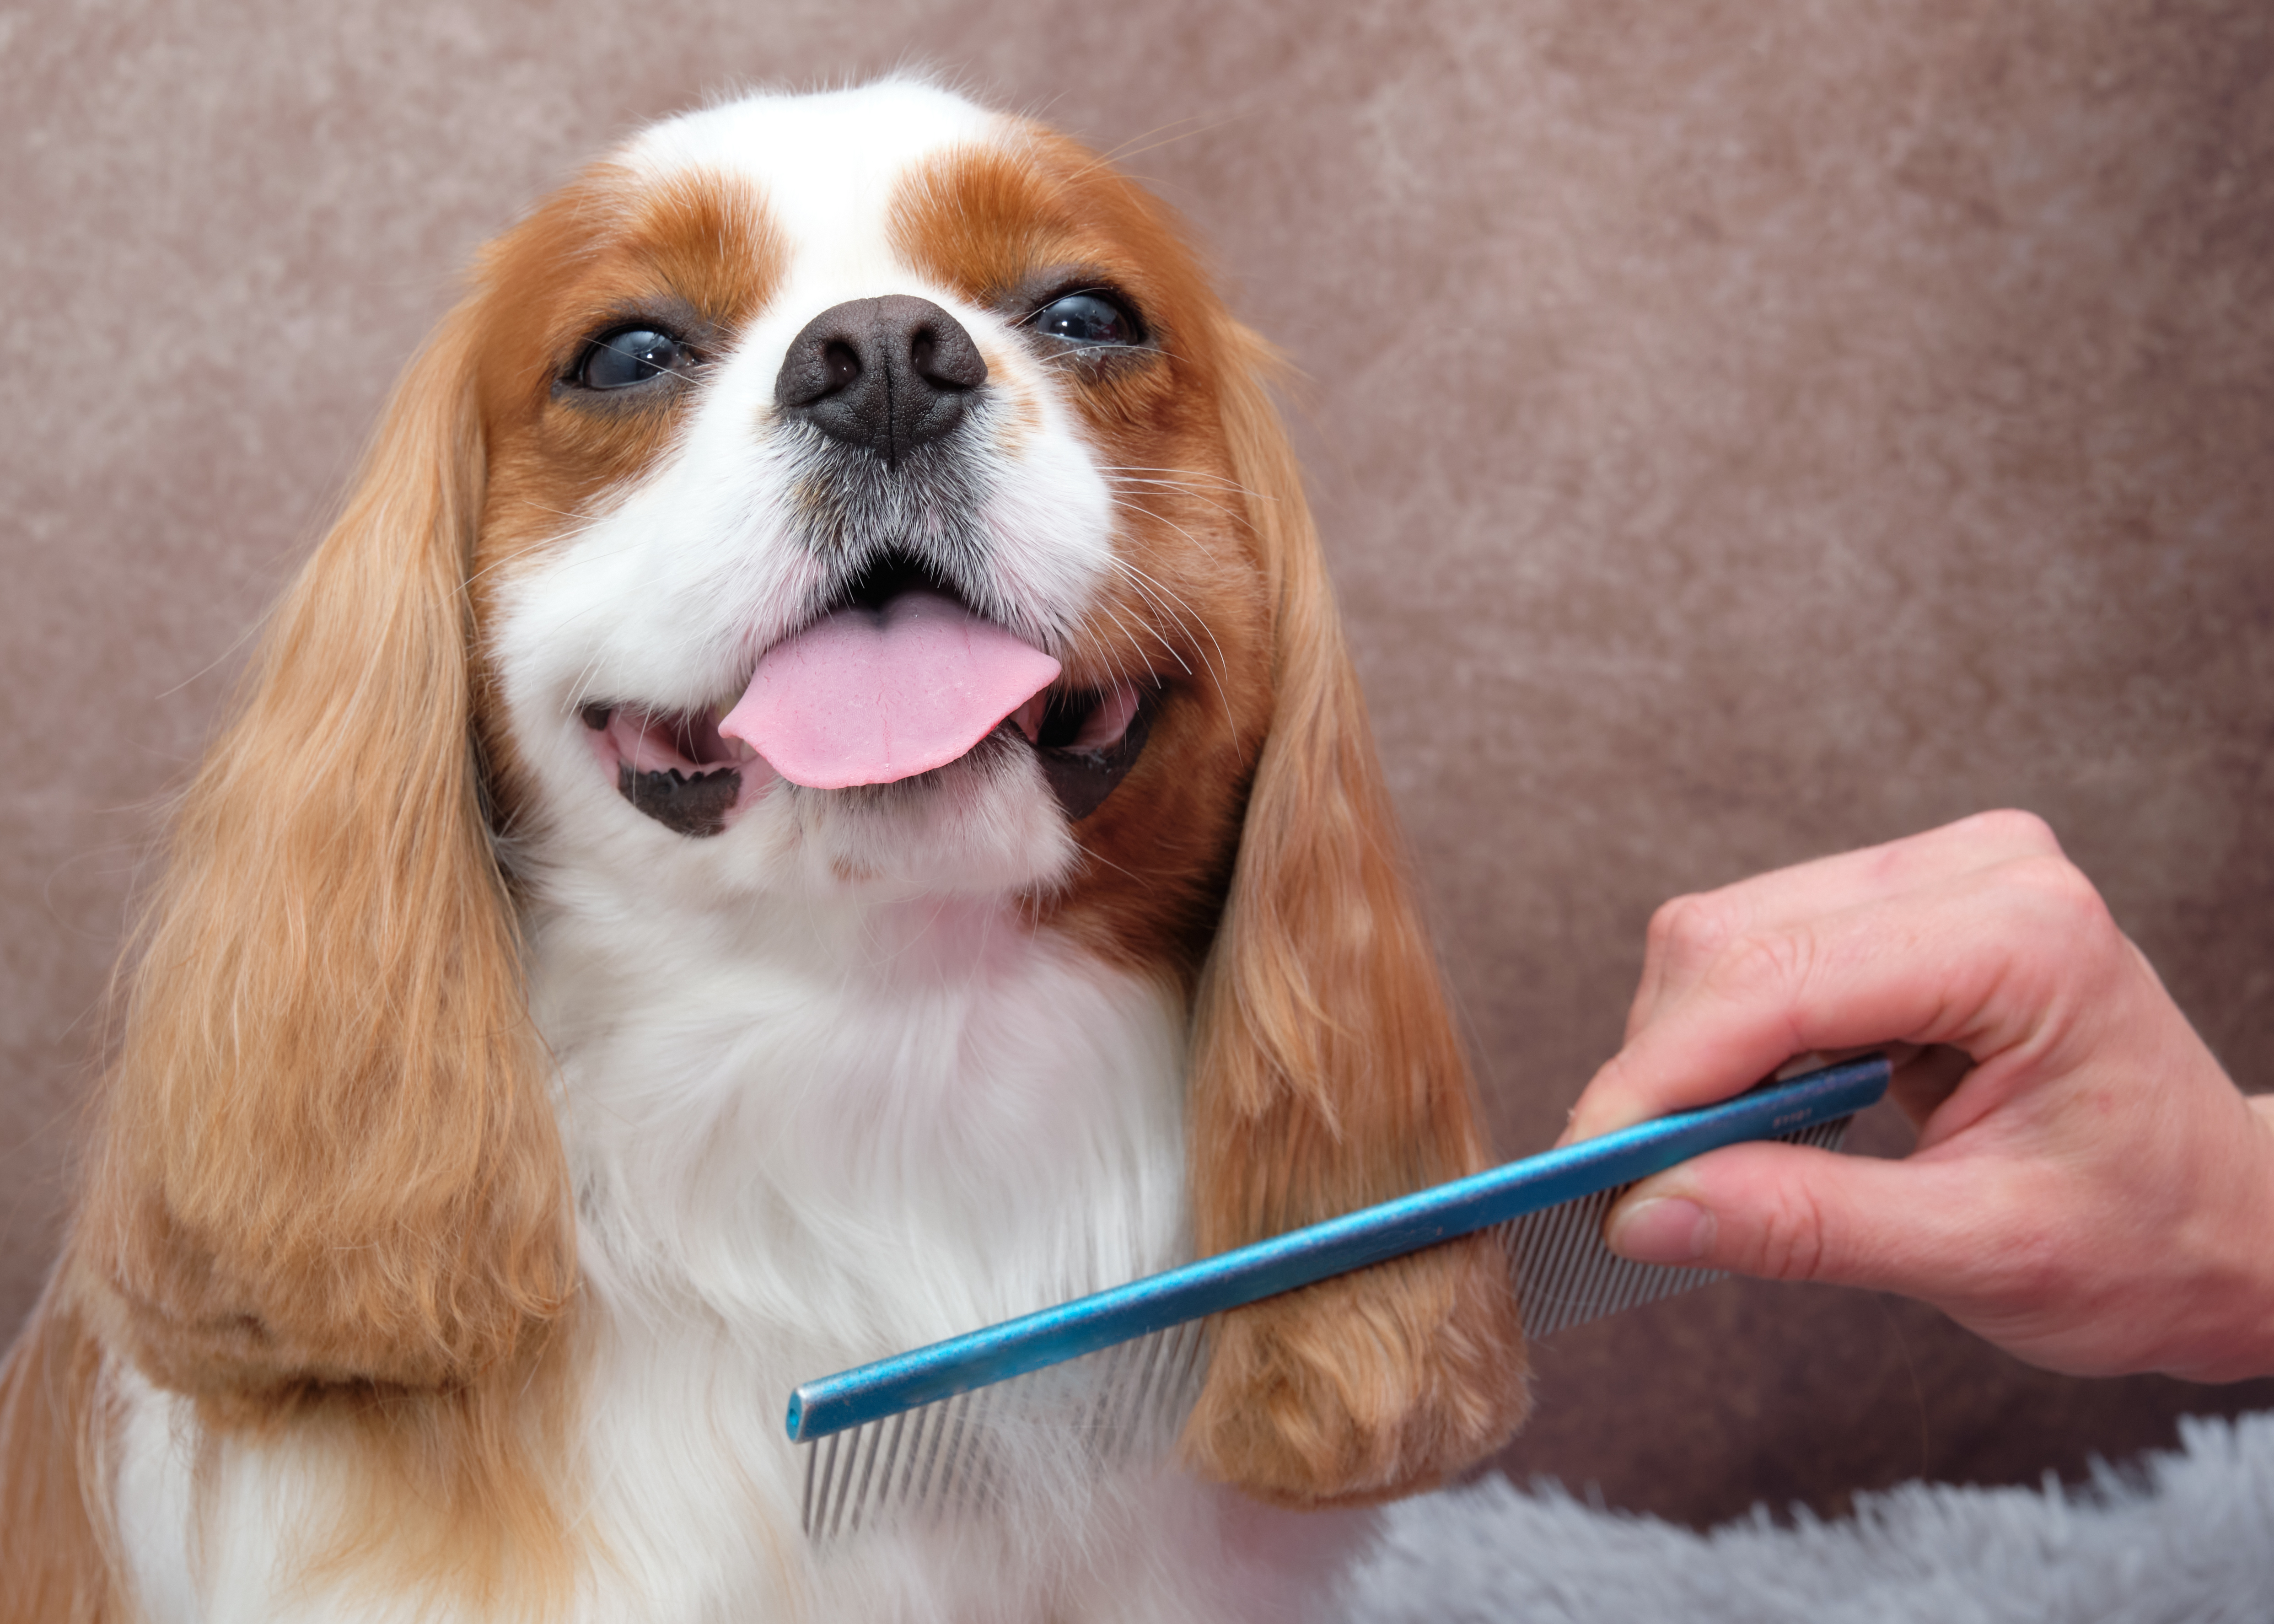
(813, 800)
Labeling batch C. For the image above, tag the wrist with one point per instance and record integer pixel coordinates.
(2230, 1335)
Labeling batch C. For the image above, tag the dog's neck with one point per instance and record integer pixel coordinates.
(877, 1119)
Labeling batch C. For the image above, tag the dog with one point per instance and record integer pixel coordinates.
(813, 800)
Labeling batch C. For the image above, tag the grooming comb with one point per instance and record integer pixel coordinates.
(1118, 1369)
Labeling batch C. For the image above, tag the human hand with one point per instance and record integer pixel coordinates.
(2090, 1190)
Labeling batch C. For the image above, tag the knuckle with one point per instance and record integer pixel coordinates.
(1690, 926)
(2060, 896)
(1791, 1244)
(1766, 966)
(2022, 831)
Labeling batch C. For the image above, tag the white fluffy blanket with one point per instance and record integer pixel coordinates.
(2187, 1537)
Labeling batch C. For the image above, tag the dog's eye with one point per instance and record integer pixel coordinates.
(630, 356)
(1086, 318)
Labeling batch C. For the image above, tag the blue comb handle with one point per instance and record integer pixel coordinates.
(1321, 1250)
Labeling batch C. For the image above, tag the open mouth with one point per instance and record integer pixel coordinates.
(900, 679)
(676, 766)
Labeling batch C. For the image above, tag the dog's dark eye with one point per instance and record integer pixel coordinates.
(630, 356)
(1086, 318)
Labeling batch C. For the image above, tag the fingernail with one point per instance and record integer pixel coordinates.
(1666, 1229)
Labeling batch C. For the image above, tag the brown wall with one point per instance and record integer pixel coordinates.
(1744, 430)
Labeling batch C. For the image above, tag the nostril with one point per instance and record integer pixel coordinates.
(945, 371)
(947, 360)
(840, 366)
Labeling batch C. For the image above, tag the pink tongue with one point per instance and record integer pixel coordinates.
(875, 695)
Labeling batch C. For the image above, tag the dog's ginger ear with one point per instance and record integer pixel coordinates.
(1327, 1075)
(325, 1153)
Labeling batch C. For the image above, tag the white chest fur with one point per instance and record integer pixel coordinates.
(865, 1122)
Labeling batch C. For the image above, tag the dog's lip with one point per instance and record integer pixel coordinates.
(652, 739)
(1079, 717)
(1087, 740)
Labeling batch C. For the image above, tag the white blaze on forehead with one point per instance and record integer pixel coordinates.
(828, 167)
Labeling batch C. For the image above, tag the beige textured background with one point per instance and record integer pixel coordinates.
(1743, 430)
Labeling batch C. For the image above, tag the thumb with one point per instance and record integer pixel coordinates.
(1783, 1212)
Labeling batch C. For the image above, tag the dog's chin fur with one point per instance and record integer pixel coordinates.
(488, 1155)
(987, 824)
(983, 826)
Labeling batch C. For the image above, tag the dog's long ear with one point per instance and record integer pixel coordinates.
(325, 1153)
(1327, 1075)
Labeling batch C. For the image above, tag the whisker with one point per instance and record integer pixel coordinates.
(1137, 581)
(1221, 669)
(1119, 676)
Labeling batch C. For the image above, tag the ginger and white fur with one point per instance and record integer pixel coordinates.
(484, 1161)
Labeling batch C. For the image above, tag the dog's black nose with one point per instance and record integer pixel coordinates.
(888, 374)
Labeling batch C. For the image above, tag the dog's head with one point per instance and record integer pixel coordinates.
(867, 505)
(857, 493)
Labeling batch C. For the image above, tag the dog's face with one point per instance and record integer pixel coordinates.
(901, 423)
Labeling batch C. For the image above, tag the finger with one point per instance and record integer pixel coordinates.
(1786, 1212)
(1688, 932)
(1974, 962)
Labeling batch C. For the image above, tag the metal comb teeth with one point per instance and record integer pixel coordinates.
(1565, 1274)
(963, 1455)
(1049, 1409)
